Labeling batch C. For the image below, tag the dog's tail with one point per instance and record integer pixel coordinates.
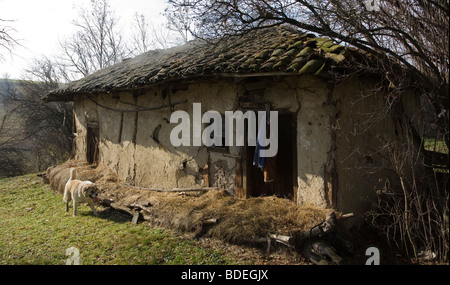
(73, 174)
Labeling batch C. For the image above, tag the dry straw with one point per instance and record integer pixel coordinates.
(238, 220)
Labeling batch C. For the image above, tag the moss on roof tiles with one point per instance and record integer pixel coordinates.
(314, 66)
(333, 48)
(335, 57)
(278, 52)
(305, 52)
(276, 49)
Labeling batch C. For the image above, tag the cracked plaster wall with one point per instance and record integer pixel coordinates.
(137, 158)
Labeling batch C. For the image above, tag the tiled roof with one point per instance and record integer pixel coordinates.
(280, 50)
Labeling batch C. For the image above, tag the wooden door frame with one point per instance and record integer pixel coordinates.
(243, 189)
(91, 126)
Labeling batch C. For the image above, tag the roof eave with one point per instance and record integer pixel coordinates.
(68, 96)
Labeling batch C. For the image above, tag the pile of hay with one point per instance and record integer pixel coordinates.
(58, 175)
(238, 220)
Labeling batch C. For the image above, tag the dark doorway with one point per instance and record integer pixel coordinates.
(92, 140)
(284, 164)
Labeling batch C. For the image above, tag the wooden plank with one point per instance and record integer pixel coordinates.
(239, 176)
(191, 189)
(135, 218)
(295, 158)
(206, 176)
(173, 189)
(286, 240)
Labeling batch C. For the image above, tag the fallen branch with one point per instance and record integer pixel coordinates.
(192, 189)
(319, 231)
(349, 215)
(173, 189)
(286, 240)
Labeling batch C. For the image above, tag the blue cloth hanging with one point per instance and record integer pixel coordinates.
(261, 137)
(260, 161)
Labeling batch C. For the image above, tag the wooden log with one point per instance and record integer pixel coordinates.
(348, 215)
(135, 218)
(286, 240)
(210, 221)
(256, 240)
(319, 231)
(174, 189)
(191, 189)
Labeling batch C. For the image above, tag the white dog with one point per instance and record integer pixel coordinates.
(79, 192)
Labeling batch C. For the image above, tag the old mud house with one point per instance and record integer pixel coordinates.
(329, 130)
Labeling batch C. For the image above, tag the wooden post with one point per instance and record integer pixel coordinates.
(206, 175)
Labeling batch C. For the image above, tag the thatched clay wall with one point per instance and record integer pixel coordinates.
(137, 145)
(128, 145)
(332, 167)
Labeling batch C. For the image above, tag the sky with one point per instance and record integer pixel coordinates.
(41, 24)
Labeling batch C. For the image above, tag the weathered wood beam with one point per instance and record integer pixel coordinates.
(286, 240)
(174, 189)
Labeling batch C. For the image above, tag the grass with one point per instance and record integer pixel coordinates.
(35, 229)
(440, 148)
(432, 144)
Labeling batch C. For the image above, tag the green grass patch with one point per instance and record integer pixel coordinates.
(440, 150)
(35, 229)
(432, 144)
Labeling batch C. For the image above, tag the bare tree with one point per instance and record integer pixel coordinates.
(98, 42)
(148, 35)
(411, 33)
(34, 135)
(48, 126)
(7, 42)
(11, 156)
(179, 20)
(141, 41)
